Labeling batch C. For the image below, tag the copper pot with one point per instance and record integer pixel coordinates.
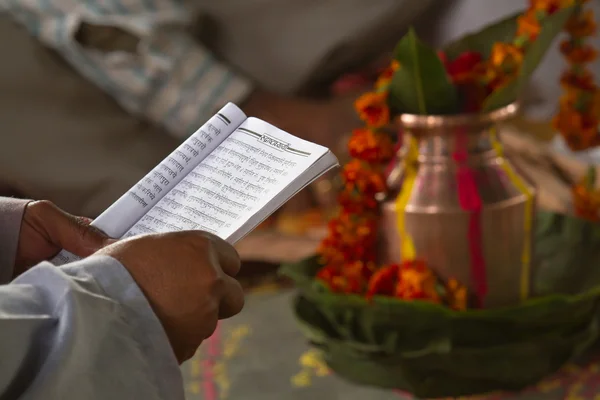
(456, 201)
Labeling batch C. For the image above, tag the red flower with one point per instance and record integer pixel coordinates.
(383, 281)
(354, 202)
(442, 57)
(367, 179)
(372, 108)
(370, 146)
(464, 66)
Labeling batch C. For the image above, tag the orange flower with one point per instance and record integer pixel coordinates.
(373, 109)
(350, 238)
(354, 202)
(586, 198)
(456, 295)
(596, 104)
(581, 24)
(547, 6)
(385, 78)
(528, 25)
(464, 68)
(416, 281)
(506, 57)
(364, 178)
(359, 270)
(334, 278)
(370, 146)
(328, 272)
(576, 54)
(579, 130)
(583, 80)
(383, 281)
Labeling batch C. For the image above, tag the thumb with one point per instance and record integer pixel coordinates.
(74, 234)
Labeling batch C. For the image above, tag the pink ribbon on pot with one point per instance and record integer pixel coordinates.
(470, 201)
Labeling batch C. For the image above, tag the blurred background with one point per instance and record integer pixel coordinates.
(94, 94)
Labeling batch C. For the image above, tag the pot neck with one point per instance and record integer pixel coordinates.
(452, 142)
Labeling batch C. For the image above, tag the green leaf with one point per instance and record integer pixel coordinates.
(590, 178)
(483, 40)
(551, 27)
(421, 85)
(433, 351)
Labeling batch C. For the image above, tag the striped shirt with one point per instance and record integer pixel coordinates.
(169, 79)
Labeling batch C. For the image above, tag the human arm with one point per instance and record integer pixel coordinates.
(115, 324)
(83, 331)
(63, 329)
(145, 59)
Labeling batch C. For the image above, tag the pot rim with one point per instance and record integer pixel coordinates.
(419, 121)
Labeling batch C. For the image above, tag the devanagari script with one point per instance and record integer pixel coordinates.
(231, 184)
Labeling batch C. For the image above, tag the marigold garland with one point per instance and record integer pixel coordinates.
(579, 114)
(348, 253)
(586, 199)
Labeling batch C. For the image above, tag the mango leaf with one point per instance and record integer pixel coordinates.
(421, 85)
(551, 27)
(483, 40)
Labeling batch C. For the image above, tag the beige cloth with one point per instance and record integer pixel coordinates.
(62, 138)
(284, 45)
(66, 141)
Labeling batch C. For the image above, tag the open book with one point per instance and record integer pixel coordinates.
(226, 179)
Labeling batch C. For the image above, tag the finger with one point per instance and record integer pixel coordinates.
(72, 233)
(228, 256)
(232, 301)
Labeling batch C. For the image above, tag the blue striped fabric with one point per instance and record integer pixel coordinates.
(171, 79)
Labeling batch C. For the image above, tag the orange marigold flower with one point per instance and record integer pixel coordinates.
(580, 131)
(464, 68)
(386, 76)
(350, 237)
(581, 24)
(355, 202)
(456, 295)
(548, 6)
(383, 281)
(370, 146)
(343, 284)
(586, 198)
(585, 204)
(528, 25)
(373, 109)
(328, 272)
(337, 281)
(359, 270)
(583, 80)
(331, 252)
(363, 178)
(577, 54)
(416, 282)
(506, 57)
(596, 104)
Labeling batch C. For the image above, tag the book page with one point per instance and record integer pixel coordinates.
(254, 164)
(145, 194)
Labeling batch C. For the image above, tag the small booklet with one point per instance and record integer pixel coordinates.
(226, 178)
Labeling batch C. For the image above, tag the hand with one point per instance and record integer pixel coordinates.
(325, 122)
(188, 279)
(46, 229)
